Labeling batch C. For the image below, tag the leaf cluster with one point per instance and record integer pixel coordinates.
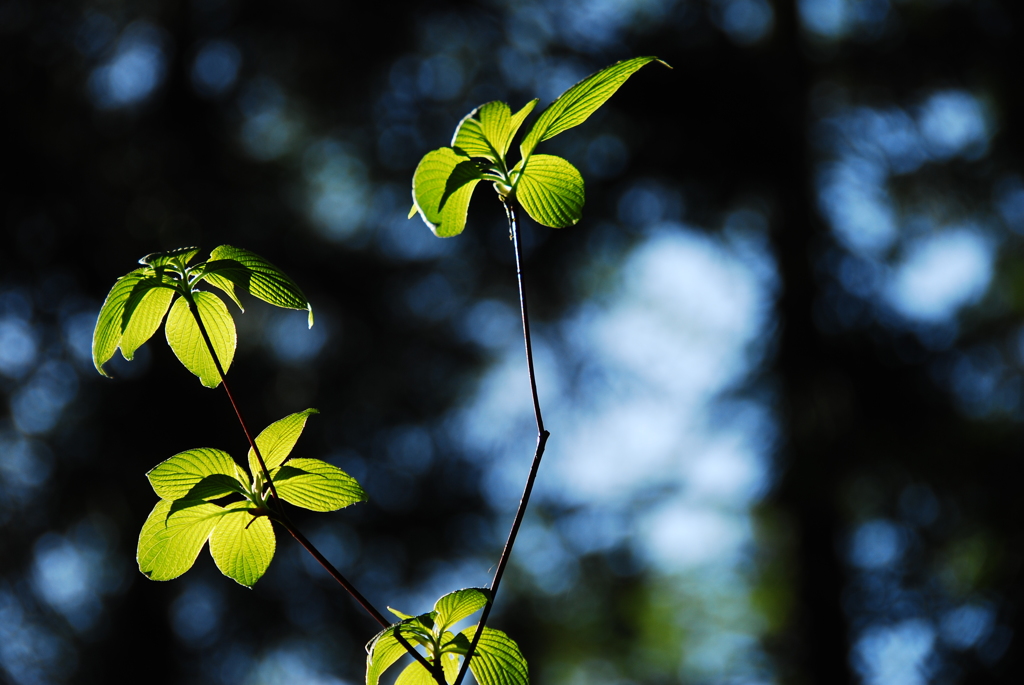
(496, 660)
(166, 285)
(240, 532)
(549, 187)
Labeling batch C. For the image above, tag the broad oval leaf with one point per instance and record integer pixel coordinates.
(170, 540)
(243, 545)
(185, 338)
(316, 485)
(110, 323)
(444, 207)
(277, 440)
(450, 664)
(497, 659)
(575, 105)
(192, 474)
(470, 138)
(256, 276)
(551, 191)
(385, 649)
(144, 310)
(455, 606)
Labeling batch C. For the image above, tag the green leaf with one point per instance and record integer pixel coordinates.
(497, 659)
(442, 187)
(415, 674)
(179, 256)
(170, 541)
(144, 311)
(243, 545)
(316, 485)
(385, 649)
(278, 439)
(517, 120)
(551, 191)
(488, 130)
(186, 340)
(256, 276)
(575, 105)
(201, 473)
(450, 665)
(457, 605)
(470, 139)
(110, 323)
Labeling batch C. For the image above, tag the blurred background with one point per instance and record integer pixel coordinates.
(780, 357)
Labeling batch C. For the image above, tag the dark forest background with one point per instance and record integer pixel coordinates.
(862, 159)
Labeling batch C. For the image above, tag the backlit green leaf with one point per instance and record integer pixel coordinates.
(385, 649)
(497, 659)
(145, 310)
(110, 323)
(575, 105)
(170, 541)
(278, 439)
(551, 191)
(443, 206)
(201, 473)
(243, 545)
(450, 665)
(457, 605)
(317, 485)
(179, 256)
(469, 136)
(517, 120)
(256, 276)
(415, 674)
(186, 340)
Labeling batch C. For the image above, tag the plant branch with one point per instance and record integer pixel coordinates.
(282, 519)
(542, 440)
(224, 382)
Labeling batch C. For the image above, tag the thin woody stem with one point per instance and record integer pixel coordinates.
(542, 440)
(282, 519)
(224, 382)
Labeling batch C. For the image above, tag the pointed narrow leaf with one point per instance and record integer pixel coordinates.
(551, 191)
(497, 659)
(385, 649)
(575, 105)
(170, 542)
(517, 120)
(258, 277)
(316, 485)
(193, 474)
(243, 545)
(186, 340)
(110, 323)
(278, 439)
(415, 674)
(457, 605)
(145, 310)
(180, 255)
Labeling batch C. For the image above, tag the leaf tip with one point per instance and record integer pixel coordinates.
(412, 211)
(309, 307)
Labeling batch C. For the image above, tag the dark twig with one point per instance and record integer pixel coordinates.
(282, 518)
(542, 440)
